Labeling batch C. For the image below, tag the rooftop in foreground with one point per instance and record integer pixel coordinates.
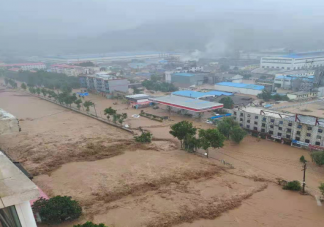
(187, 103)
(15, 187)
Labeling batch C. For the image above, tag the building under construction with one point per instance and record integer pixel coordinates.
(295, 129)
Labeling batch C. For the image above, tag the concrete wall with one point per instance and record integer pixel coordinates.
(118, 85)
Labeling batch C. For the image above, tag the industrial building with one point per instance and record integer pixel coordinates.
(294, 61)
(73, 70)
(287, 81)
(186, 104)
(189, 79)
(248, 89)
(200, 95)
(302, 95)
(295, 129)
(104, 83)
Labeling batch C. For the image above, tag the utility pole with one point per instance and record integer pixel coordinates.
(304, 178)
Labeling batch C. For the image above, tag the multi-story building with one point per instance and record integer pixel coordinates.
(73, 70)
(294, 61)
(27, 66)
(298, 130)
(286, 81)
(103, 82)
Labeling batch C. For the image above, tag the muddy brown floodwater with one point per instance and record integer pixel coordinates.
(125, 184)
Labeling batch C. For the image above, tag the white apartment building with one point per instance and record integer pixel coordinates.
(72, 70)
(27, 66)
(294, 61)
(299, 130)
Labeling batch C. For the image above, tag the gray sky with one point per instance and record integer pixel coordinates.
(84, 17)
(41, 21)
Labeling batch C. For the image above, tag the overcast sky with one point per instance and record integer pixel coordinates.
(89, 17)
(52, 25)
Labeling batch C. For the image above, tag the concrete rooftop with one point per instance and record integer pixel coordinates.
(15, 187)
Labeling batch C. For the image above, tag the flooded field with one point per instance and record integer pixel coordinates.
(122, 183)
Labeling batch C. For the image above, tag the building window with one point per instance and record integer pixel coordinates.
(255, 122)
(298, 138)
(241, 114)
(271, 132)
(249, 115)
(320, 130)
(9, 217)
(248, 121)
(263, 125)
(272, 120)
(263, 130)
(306, 141)
(290, 124)
(264, 119)
(288, 136)
(279, 134)
(319, 137)
(255, 128)
(288, 130)
(280, 128)
(271, 126)
(248, 126)
(241, 125)
(235, 113)
(308, 134)
(318, 143)
(298, 133)
(281, 122)
(309, 128)
(299, 126)
(256, 117)
(241, 119)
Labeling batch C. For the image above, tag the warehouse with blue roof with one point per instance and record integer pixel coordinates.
(294, 61)
(248, 89)
(199, 95)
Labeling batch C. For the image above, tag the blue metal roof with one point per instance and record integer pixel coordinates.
(183, 74)
(197, 94)
(240, 85)
(304, 55)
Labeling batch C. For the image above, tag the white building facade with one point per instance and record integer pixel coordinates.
(296, 61)
(27, 66)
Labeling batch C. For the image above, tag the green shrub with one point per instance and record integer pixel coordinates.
(146, 137)
(292, 186)
(57, 209)
(321, 188)
(90, 224)
(302, 159)
(318, 157)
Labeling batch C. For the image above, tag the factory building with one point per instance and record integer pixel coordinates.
(294, 61)
(189, 79)
(287, 81)
(248, 89)
(200, 95)
(295, 129)
(104, 83)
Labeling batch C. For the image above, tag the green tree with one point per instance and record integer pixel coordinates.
(292, 186)
(211, 138)
(87, 104)
(321, 188)
(265, 95)
(191, 143)
(181, 129)
(318, 157)
(136, 91)
(302, 159)
(145, 137)
(44, 91)
(90, 224)
(237, 134)
(32, 90)
(110, 111)
(57, 209)
(38, 91)
(78, 103)
(228, 102)
(23, 86)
